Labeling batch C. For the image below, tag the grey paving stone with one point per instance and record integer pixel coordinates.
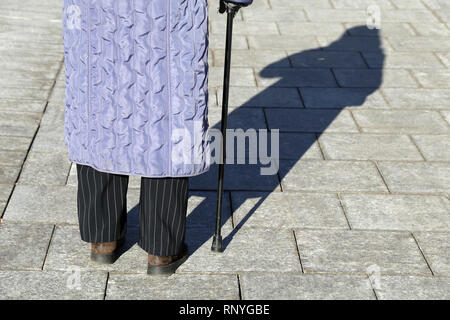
(402, 60)
(8, 174)
(32, 37)
(446, 115)
(409, 15)
(295, 77)
(262, 97)
(5, 191)
(331, 15)
(361, 4)
(237, 177)
(241, 77)
(410, 4)
(330, 175)
(22, 105)
(31, 15)
(282, 42)
(324, 4)
(243, 27)
(239, 42)
(24, 73)
(290, 120)
(52, 285)
(67, 250)
(444, 15)
(445, 57)
(253, 58)
(49, 139)
(418, 98)
(321, 59)
(37, 171)
(296, 146)
(27, 94)
(437, 4)
(339, 98)
(23, 246)
(134, 182)
(387, 29)
(278, 286)
(433, 78)
(14, 143)
(434, 147)
(431, 29)
(423, 177)
(276, 14)
(368, 147)
(245, 250)
(17, 116)
(287, 210)
(54, 113)
(359, 252)
(43, 204)
(179, 287)
(413, 288)
(358, 78)
(400, 121)
(418, 44)
(72, 179)
(2, 207)
(12, 158)
(17, 127)
(309, 28)
(44, 85)
(397, 212)
(436, 248)
(43, 67)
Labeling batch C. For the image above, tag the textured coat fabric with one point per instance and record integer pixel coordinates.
(137, 86)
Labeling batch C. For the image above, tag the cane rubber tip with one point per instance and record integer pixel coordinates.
(217, 244)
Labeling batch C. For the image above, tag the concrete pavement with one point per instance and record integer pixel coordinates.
(359, 209)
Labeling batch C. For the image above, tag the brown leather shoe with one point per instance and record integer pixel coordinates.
(105, 252)
(160, 265)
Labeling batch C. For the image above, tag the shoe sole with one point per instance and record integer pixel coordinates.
(107, 258)
(168, 269)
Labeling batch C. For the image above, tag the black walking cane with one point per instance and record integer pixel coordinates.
(231, 7)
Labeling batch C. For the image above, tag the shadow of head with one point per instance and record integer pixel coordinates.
(341, 74)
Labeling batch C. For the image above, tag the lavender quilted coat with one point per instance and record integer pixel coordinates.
(137, 86)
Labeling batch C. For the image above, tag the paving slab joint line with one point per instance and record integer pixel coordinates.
(33, 138)
(381, 175)
(322, 152)
(433, 12)
(239, 286)
(422, 253)
(371, 286)
(411, 26)
(298, 252)
(48, 247)
(439, 59)
(417, 147)
(411, 73)
(106, 286)
(354, 120)
(443, 117)
(344, 210)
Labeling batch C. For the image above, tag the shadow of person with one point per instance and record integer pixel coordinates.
(308, 97)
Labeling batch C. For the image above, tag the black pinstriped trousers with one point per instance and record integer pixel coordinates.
(102, 210)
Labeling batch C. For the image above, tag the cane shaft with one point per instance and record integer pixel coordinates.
(217, 241)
